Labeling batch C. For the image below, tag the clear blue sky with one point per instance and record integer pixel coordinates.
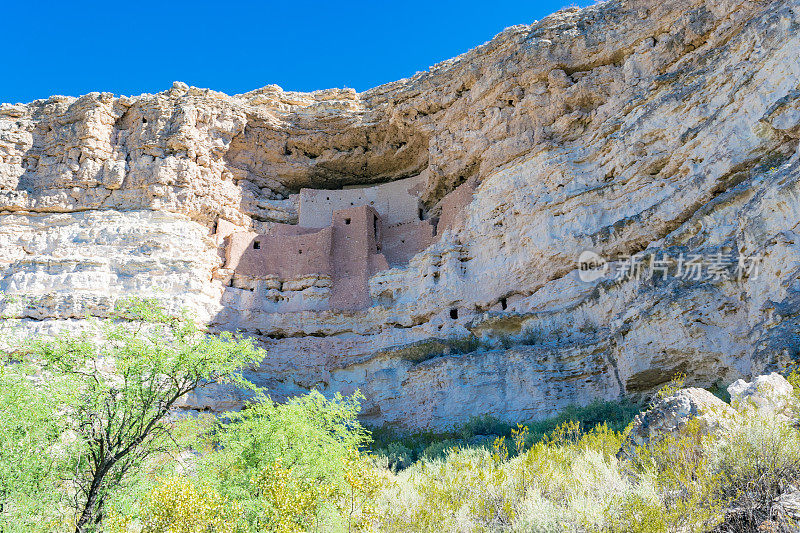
(135, 47)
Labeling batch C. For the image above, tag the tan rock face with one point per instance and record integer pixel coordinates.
(661, 128)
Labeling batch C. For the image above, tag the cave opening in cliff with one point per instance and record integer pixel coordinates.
(454, 314)
(503, 304)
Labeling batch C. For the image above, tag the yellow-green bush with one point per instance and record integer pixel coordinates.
(356, 500)
(562, 482)
(573, 481)
(289, 502)
(180, 505)
(686, 487)
(757, 461)
(301, 467)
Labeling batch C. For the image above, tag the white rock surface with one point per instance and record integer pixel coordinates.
(624, 127)
(770, 395)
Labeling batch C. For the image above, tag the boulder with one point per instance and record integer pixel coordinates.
(770, 395)
(668, 416)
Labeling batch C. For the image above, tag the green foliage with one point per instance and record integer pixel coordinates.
(363, 485)
(82, 420)
(548, 487)
(417, 442)
(794, 381)
(686, 487)
(123, 378)
(33, 455)
(571, 480)
(720, 391)
(758, 460)
(441, 448)
(309, 435)
(484, 425)
(398, 456)
(465, 489)
(180, 505)
(290, 501)
(519, 435)
(614, 415)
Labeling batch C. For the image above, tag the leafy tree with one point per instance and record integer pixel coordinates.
(125, 377)
(33, 456)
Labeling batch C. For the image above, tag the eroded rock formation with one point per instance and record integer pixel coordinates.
(629, 127)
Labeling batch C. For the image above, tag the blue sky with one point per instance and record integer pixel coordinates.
(131, 47)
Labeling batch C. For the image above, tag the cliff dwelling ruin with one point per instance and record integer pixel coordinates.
(342, 238)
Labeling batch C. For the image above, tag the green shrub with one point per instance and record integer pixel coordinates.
(35, 453)
(383, 437)
(113, 386)
(758, 460)
(615, 415)
(685, 493)
(562, 483)
(440, 449)
(310, 436)
(180, 505)
(464, 492)
(484, 425)
(398, 456)
(794, 380)
(720, 391)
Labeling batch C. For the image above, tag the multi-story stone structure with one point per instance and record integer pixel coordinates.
(343, 237)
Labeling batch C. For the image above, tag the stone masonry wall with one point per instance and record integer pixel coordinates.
(396, 202)
(285, 254)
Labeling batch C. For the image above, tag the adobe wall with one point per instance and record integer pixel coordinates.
(403, 241)
(356, 253)
(396, 202)
(287, 252)
(337, 261)
(454, 207)
(342, 240)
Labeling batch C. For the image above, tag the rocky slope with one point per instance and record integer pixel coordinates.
(629, 127)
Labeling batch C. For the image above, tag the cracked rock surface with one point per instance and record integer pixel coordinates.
(629, 127)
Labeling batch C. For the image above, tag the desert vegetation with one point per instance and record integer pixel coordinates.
(90, 442)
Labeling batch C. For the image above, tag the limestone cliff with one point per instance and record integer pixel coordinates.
(663, 129)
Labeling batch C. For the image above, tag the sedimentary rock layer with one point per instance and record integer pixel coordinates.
(666, 129)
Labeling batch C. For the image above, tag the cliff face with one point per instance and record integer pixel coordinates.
(664, 129)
